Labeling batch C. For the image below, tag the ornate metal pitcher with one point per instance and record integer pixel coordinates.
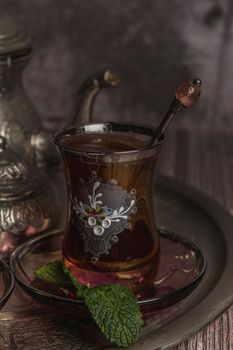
(28, 200)
(20, 124)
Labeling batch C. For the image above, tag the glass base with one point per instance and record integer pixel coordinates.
(134, 279)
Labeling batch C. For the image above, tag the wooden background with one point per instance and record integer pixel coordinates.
(204, 160)
(153, 45)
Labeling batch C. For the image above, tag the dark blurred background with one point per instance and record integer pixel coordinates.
(151, 44)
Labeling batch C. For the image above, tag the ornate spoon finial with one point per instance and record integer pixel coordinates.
(186, 94)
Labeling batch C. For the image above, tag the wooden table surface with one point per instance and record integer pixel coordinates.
(204, 160)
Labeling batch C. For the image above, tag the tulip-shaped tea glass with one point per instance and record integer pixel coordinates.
(111, 234)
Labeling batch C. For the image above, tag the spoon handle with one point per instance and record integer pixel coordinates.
(187, 93)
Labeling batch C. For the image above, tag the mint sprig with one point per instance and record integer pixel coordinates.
(53, 273)
(113, 307)
(79, 288)
(115, 310)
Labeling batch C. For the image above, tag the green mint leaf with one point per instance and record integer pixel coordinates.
(53, 273)
(78, 286)
(58, 274)
(115, 310)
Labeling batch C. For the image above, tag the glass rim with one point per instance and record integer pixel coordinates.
(104, 127)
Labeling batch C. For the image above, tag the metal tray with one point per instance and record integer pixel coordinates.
(28, 326)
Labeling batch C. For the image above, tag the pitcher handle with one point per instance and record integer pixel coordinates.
(88, 92)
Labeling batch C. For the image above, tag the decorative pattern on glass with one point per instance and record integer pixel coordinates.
(105, 213)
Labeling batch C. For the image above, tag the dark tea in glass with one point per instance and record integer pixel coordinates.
(111, 234)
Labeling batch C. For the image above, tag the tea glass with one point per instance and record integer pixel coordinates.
(111, 234)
